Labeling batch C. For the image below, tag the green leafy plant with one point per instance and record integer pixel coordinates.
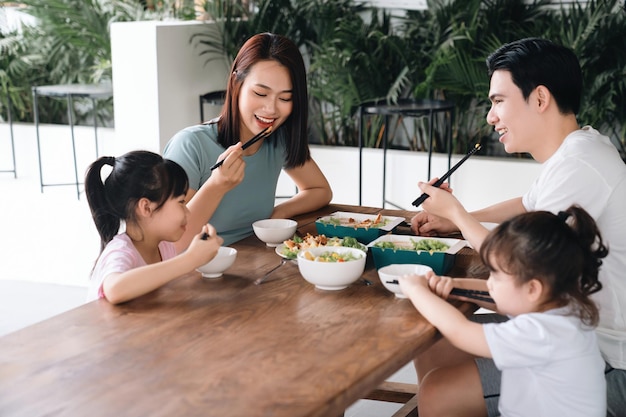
(360, 62)
(596, 30)
(309, 23)
(233, 22)
(357, 56)
(70, 43)
(464, 32)
(354, 55)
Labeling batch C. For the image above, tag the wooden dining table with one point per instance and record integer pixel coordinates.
(221, 347)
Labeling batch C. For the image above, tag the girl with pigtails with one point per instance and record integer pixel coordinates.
(145, 193)
(543, 269)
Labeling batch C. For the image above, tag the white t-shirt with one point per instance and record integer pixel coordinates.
(120, 255)
(587, 170)
(551, 366)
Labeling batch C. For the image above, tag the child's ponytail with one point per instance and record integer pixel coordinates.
(593, 250)
(106, 219)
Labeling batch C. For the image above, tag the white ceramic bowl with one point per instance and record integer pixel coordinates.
(390, 273)
(223, 260)
(274, 231)
(331, 275)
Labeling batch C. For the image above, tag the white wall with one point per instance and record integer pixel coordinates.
(479, 182)
(158, 77)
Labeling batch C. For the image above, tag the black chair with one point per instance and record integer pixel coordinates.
(405, 108)
(213, 98)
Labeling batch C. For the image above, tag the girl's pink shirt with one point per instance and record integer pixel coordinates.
(120, 256)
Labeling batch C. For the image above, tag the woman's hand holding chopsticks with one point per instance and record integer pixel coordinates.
(231, 171)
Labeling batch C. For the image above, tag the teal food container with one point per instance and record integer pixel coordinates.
(357, 225)
(440, 262)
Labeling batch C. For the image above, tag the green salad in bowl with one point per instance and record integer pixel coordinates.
(289, 248)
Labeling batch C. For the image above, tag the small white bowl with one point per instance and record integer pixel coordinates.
(274, 231)
(223, 260)
(331, 275)
(390, 273)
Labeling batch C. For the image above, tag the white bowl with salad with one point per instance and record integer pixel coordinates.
(289, 248)
(331, 267)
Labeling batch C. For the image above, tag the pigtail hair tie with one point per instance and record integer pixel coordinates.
(563, 216)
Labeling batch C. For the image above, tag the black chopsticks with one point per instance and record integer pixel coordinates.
(473, 294)
(262, 134)
(445, 176)
(462, 292)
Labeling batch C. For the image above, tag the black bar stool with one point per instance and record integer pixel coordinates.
(69, 92)
(404, 108)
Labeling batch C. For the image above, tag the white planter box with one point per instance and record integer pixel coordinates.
(158, 77)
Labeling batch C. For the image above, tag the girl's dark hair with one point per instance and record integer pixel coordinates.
(564, 251)
(533, 62)
(266, 47)
(135, 175)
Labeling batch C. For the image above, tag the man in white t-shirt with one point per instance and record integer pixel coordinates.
(535, 91)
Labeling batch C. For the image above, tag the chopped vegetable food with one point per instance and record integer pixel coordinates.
(378, 221)
(296, 244)
(429, 245)
(331, 257)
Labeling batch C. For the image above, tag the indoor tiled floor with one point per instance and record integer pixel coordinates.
(49, 243)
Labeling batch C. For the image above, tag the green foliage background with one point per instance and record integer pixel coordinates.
(355, 55)
(70, 44)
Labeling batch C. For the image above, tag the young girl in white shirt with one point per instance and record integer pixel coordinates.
(543, 268)
(147, 194)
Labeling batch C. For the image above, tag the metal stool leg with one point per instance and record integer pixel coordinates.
(385, 138)
(11, 133)
(36, 116)
(360, 154)
(430, 141)
(11, 137)
(94, 104)
(71, 121)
